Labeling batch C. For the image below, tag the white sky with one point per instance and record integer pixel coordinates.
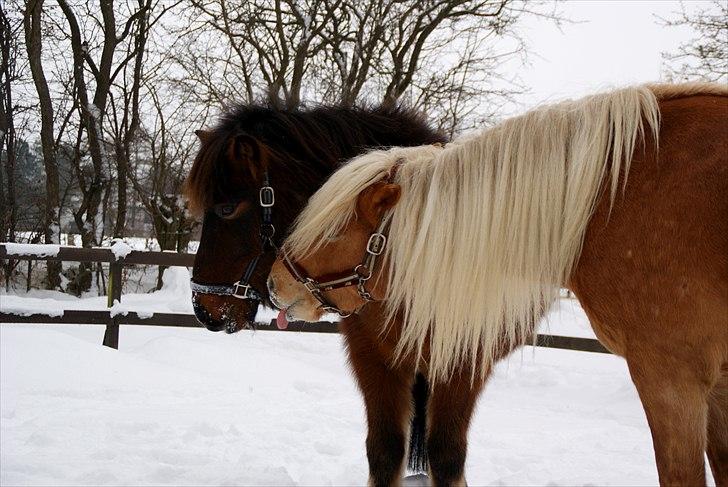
(617, 43)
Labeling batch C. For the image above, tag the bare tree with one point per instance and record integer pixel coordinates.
(92, 111)
(426, 53)
(268, 45)
(125, 126)
(33, 43)
(704, 57)
(117, 86)
(161, 159)
(10, 72)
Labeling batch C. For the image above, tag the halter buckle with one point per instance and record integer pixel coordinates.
(310, 285)
(267, 197)
(247, 291)
(376, 243)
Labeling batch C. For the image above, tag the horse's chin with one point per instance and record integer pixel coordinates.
(302, 312)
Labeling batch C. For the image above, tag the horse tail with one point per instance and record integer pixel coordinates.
(417, 461)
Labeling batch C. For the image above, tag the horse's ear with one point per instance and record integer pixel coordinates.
(377, 199)
(246, 151)
(204, 135)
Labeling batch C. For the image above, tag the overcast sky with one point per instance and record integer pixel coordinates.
(616, 43)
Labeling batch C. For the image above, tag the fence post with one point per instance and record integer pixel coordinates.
(111, 335)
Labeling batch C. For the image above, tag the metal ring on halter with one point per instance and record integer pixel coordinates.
(363, 277)
(363, 293)
(267, 230)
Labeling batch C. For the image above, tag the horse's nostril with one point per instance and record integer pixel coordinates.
(204, 318)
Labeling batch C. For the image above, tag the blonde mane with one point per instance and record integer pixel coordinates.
(488, 229)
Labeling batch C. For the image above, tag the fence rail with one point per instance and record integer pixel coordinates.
(97, 254)
(113, 320)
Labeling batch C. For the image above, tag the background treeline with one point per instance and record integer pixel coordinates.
(100, 98)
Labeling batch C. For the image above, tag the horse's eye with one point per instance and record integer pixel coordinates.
(227, 210)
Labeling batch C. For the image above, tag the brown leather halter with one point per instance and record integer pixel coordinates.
(358, 277)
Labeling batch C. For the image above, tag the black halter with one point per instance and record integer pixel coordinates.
(242, 289)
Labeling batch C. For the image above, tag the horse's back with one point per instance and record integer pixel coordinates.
(654, 270)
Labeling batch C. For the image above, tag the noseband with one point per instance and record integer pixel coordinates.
(242, 289)
(358, 277)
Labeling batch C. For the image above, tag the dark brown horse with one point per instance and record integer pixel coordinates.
(254, 148)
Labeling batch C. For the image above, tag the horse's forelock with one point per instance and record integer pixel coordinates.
(199, 185)
(300, 146)
(210, 173)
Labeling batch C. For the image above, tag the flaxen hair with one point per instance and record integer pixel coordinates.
(488, 229)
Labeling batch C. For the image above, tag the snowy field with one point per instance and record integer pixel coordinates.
(189, 407)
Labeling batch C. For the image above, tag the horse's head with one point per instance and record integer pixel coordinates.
(336, 259)
(344, 268)
(253, 151)
(230, 187)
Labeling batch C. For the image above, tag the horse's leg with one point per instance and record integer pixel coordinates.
(718, 430)
(449, 411)
(387, 395)
(675, 400)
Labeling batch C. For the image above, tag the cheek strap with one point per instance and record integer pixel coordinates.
(356, 277)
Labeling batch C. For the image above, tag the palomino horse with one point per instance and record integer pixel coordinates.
(621, 197)
(252, 176)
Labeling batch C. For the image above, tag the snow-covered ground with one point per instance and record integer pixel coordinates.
(184, 406)
(189, 407)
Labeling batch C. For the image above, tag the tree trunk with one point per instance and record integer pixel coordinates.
(165, 238)
(52, 231)
(123, 147)
(122, 178)
(8, 212)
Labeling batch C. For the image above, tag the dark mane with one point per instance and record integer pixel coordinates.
(306, 143)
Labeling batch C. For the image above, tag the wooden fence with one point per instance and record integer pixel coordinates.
(113, 320)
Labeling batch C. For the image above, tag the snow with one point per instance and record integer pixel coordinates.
(28, 311)
(120, 249)
(183, 406)
(136, 243)
(188, 407)
(174, 297)
(43, 250)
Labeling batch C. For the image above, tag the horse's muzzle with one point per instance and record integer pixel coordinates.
(229, 319)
